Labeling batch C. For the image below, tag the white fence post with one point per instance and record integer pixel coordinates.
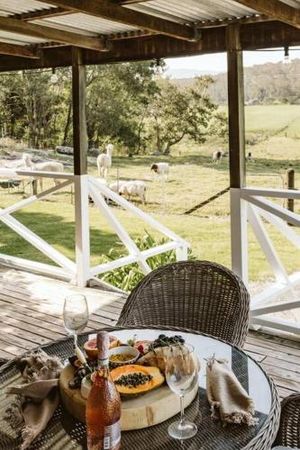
(82, 230)
(182, 253)
(239, 235)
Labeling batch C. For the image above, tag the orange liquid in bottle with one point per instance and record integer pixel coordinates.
(103, 407)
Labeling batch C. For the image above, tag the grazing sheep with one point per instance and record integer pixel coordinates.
(47, 166)
(104, 161)
(161, 168)
(217, 155)
(116, 186)
(249, 157)
(130, 189)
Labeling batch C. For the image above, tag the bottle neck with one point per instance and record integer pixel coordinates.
(102, 370)
(103, 363)
(103, 353)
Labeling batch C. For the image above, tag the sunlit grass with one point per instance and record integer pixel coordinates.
(193, 178)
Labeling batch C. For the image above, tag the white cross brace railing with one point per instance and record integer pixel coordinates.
(251, 205)
(80, 271)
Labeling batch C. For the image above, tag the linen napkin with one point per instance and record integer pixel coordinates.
(228, 399)
(36, 399)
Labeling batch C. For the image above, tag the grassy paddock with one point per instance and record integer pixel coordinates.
(193, 178)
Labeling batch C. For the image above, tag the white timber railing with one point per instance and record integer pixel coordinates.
(81, 271)
(252, 205)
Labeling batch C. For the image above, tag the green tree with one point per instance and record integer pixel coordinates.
(117, 100)
(178, 112)
(32, 107)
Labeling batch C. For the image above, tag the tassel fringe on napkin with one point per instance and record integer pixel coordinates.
(228, 399)
(36, 399)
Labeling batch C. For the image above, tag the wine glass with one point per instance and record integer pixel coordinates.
(75, 314)
(182, 377)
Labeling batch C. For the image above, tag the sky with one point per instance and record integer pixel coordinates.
(190, 66)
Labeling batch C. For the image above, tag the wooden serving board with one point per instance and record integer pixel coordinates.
(139, 412)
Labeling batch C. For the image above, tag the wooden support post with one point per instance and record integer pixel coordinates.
(34, 186)
(80, 170)
(79, 118)
(239, 239)
(290, 181)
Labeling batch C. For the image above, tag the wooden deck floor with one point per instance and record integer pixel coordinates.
(31, 315)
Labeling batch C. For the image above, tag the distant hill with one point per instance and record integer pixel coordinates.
(268, 83)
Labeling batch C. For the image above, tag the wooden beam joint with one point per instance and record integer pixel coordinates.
(18, 50)
(52, 34)
(275, 9)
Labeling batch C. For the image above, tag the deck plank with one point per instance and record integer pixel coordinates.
(31, 315)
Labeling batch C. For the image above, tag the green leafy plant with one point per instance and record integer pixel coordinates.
(127, 277)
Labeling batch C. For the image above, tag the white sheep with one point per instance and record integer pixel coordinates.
(116, 186)
(104, 161)
(162, 169)
(217, 155)
(249, 157)
(134, 188)
(47, 166)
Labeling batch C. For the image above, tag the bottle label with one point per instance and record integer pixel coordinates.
(112, 436)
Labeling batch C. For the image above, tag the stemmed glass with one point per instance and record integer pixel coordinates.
(75, 314)
(182, 377)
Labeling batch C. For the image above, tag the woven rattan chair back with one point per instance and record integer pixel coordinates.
(199, 295)
(3, 361)
(289, 429)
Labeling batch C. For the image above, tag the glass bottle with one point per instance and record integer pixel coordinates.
(103, 407)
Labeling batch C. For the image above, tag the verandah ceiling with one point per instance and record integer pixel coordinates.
(111, 26)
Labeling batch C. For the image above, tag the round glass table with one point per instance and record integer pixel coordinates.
(64, 432)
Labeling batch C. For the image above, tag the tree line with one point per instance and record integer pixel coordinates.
(268, 83)
(130, 104)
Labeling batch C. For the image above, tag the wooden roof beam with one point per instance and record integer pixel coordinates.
(225, 22)
(276, 10)
(253, 36)
(110, 11)
(51, 34)
(17, 50)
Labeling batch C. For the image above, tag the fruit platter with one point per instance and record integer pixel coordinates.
(137, 367)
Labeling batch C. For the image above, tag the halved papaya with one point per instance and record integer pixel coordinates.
(133, 379)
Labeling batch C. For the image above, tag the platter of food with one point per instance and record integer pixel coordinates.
(137, 369)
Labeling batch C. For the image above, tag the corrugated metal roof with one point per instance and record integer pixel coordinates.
(181, 11)
(193, 10)
(22, 6)
(293, 3)
(14, 38)
(83, 22)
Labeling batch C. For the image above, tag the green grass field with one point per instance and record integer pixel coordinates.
(272, 118)
(193, 178)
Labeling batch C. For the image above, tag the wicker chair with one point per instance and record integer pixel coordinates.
(289, 429)
(3, 361)
(199, 295)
